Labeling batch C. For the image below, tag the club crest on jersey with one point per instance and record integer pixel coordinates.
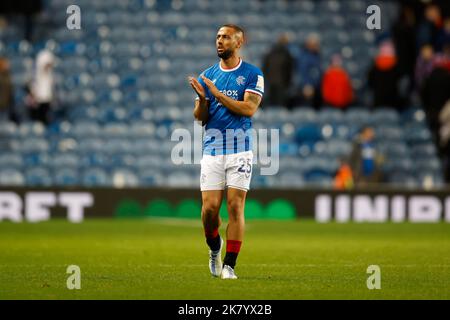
(240, 80)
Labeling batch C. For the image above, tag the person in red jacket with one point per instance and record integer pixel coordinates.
(337, 89)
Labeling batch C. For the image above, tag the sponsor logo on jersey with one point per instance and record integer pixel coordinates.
(231, 93)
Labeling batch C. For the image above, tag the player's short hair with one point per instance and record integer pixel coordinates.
(236, 28)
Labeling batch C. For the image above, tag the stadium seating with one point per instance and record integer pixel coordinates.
(122, 153)
(122, 91)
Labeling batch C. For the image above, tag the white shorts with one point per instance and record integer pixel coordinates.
(231, 170)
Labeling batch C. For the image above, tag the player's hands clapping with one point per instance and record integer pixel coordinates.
(198, 88)
(211, 86)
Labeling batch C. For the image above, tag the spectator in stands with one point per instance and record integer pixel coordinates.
(444, 135)
(404, 37)
(43, 87)
(309, 73)
(428, 28)
(336, 85)
(424, 65)
(365, 161)
(344, 176)
(443, 58)
(30, 102)
(435, 93)
(384, 77)
(6, 92)
(277, 68)
(28, 8)
(443, 38)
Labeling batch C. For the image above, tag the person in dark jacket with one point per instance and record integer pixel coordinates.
(429, 28)
(309, 73)
(404, 37)
(6, 91)
(365, 161)
(384, 77)
(435, 93)
(424, 65)
(443, 38)
(277, 68)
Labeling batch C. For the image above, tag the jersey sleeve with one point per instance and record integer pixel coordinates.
(256, 83)
(200, 80)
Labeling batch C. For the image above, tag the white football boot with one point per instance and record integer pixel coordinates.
(215, 260)
(228, 273)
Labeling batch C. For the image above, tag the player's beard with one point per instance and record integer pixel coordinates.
(226, 54)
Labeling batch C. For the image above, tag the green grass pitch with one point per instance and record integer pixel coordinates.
(167, 259)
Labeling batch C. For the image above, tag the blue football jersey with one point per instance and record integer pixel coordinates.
(233, 83)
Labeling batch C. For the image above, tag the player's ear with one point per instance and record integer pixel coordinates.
(239, 39)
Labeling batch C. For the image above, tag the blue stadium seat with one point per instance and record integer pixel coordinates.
(337, 148)
(149, 161)
(31, 129)
(258, 182)
(94, 159)
(431, 179)
(395, 165)
(86, 129)
(417, 134)
(392, 149)
(358, 115)
(142, 130)
(423, 164)
(113, 130)
(308, 134)
(319, 178)
(65, 160)
(32, 144)
(330, 115)
(403, 180)
(66, 177)
(287, 179)
(124, 177)
(34, 159)
(95, 177)
(413, 114)
(117, 145)
(290, 163)
(8, 129)
(288, 148)
(122, 160)
(150, 177)
(11, 177)
(426, 149)
(111, 114)
(38, 177)
(389, 133)
(91, 145)
(385, 116)
(11, 160)
(180, 179)
(80, 114)
(145, 145)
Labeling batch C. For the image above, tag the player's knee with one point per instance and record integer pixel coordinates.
(235, 209)
(211, 208)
